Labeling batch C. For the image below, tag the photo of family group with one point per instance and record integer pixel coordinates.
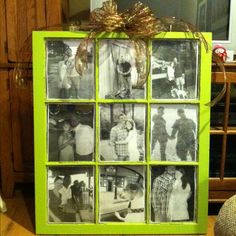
(122, 132)
(175, 69)
(173, 191)
(122, 194)
(63, 80)
(70, 132)
(118, 70)
(70, 194)
(174, 132)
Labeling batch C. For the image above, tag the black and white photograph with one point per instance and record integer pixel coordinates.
(175, 69)
(174, 132)
(173, 191)
(122, 132)
(70, 194)
(118, 70)
(122, 194)
(70, 132)
(63, 80)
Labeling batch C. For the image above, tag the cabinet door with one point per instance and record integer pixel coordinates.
(22, 18)
(25, 16)
(5, 125)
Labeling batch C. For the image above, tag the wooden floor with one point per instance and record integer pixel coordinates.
(19, 219)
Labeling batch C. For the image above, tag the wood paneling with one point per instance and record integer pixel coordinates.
(220, 196)
(41, 14)
(24, 16)
(217, 77)
(22, 125)
(3, 38)
(6, 161)
(221, 185)
(53, 13)
(11, 13)
(5, 137)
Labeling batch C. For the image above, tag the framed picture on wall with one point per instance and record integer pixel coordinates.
(113, 157)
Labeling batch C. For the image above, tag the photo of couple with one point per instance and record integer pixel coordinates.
(118, 70)
(70, 132)
(174, 132)
(173, 194)
(63, 80)
(122, 132)
(174, 69)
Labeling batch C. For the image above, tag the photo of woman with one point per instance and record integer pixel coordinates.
(66, 143)
(70, 132)
(122, 132)
(181, 192)
(173, 193)
(63, 80)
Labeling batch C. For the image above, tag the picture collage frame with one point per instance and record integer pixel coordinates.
(113, 157)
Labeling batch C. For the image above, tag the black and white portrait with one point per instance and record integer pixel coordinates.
(70, 132)
(122, 132)
(175, 69)
(118, 70)
(122, 194)
(174, 132)
(173, 193)
(70, 194)
(63, 81)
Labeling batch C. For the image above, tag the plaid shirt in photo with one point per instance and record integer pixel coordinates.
(118, 133)
(162, 187)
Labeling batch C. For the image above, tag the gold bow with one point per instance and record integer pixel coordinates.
(137, 22)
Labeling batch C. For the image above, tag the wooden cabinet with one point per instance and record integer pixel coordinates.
(17, 20)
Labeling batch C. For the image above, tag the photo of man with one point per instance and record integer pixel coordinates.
(119, 72)
(174, 69)
(174, 132)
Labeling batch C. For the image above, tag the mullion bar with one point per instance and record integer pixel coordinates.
(148, 133)
(97, 134)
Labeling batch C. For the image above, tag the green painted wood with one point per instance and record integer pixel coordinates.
(40, 135)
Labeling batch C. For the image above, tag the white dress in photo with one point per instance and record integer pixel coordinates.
(178, 205)
(133, 145)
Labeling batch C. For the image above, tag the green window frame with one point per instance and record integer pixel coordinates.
(200, 165)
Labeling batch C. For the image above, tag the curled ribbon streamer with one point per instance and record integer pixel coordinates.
(220, 64)
(178, 25)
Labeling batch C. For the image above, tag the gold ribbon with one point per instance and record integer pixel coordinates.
(139, 23)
